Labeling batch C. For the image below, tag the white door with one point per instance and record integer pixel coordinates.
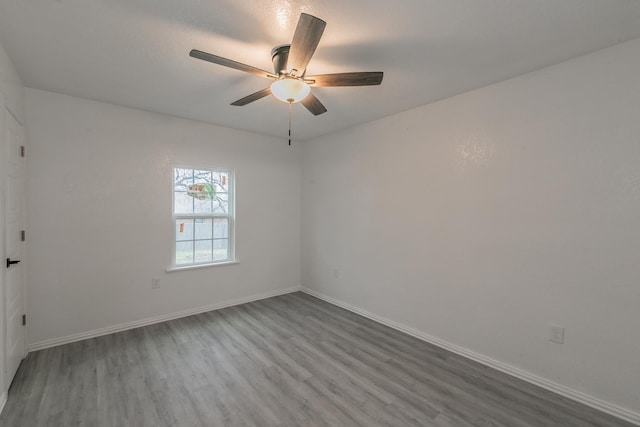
(14, 269)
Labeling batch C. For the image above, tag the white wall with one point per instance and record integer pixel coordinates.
(484, 218)
(11, 98)
(11, 87)
(99, 214)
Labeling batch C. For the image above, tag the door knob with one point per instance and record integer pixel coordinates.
(9, 262)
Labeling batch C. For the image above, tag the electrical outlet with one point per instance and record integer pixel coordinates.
(336, 273)
(155, 283)
(556, 334)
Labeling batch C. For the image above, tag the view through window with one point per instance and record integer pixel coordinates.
(203, 214)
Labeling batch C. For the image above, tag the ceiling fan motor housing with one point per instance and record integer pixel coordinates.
(279, 56)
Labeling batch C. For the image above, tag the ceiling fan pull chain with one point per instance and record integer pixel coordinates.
(289, 123)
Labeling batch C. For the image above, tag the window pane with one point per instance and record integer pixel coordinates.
(182, 179)
(203, 206)
(184, 253)
(220, 249)
(202, 177)
(204, 228)
(184, 229)
(220, 228)
(183, 203)
(221, 203)
(221, 181)
(203, 251)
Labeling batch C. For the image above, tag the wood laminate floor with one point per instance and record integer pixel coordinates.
(291, 360)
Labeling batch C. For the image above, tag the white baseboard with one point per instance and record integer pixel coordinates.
(567, 392)
(3, 401)
(152, 320)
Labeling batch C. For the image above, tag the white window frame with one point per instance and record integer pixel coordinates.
(230, 216)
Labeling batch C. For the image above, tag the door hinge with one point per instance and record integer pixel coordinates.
(23, 235)
(22, 151)
(24, 319)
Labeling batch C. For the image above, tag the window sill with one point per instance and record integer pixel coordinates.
(191, 267)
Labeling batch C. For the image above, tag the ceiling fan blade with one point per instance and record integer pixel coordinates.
(367, 78)
(230, 63)
(253, 97)
(314, 105)
(304, 43)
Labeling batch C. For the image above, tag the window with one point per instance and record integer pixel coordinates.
(203, 210)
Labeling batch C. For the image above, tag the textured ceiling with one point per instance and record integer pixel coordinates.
(135, 52)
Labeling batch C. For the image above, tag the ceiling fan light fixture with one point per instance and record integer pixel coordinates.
(290, 90)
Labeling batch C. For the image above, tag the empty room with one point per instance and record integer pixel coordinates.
(320, 213)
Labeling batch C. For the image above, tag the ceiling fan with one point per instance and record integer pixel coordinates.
(290, 84)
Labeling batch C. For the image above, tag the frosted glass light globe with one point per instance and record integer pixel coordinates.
(290, 90)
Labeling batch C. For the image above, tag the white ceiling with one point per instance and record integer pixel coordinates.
(135, 52)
